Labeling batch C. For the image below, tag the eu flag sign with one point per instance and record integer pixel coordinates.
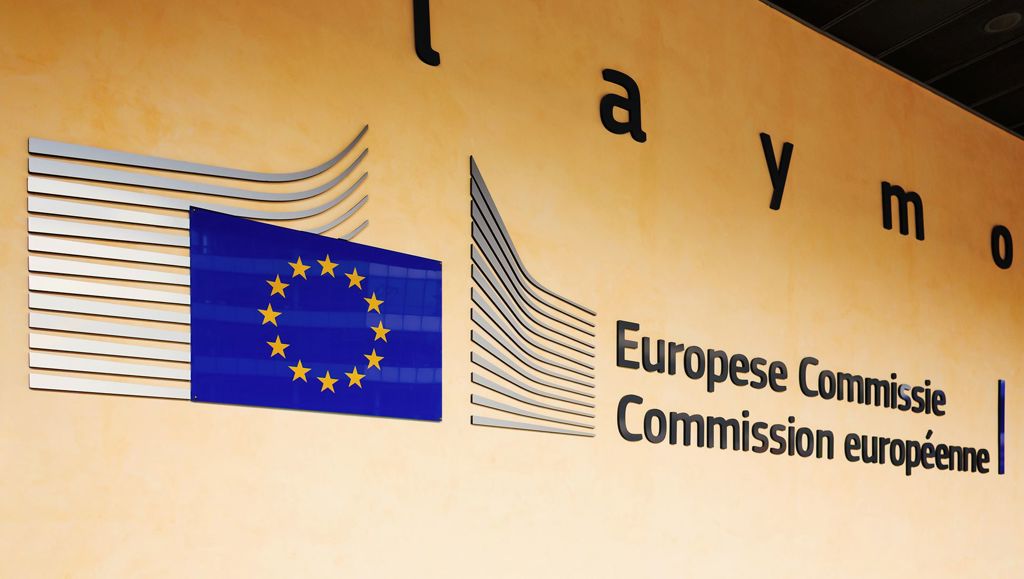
(289, 319)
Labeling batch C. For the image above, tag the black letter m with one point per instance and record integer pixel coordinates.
(904, 198)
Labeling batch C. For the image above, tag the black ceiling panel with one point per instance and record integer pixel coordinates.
(882, 26)
(1007, 109)
(959, 41)
(970, 51)
(818, 12)
(987, 78)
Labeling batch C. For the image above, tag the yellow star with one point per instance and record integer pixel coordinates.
(327, 266)
(380, 332)
(374, 303)
(277, 286)
(373, 360)
(355, 378)
(300, 372)
(299, 268)
(269, 315)
(326, 382)
(277, 347)
(354, 279)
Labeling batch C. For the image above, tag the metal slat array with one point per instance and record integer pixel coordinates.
(532, 348)
(108, 263)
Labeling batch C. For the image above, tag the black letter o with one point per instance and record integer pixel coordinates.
(1004, 258)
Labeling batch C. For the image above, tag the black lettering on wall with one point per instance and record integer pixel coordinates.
(421, 32)
(778, 171)
(905, 199)
(1002, 256)
(622, 344)
(629, 103)
(621, 416)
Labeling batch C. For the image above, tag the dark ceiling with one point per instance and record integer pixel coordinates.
(970, 51)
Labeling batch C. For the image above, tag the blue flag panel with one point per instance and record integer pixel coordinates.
(289, 319)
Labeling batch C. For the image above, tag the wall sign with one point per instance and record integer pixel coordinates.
(256, 314)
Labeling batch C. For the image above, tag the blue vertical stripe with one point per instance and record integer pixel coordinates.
(1002, 427)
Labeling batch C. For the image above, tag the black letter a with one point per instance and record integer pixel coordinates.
(630, 103)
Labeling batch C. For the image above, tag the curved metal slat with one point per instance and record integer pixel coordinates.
(57, 245)
(485, 421)
(511, 364)
(44, 166)
(513, 288)
(341, 218)
(501, 406)
(82, 326)
(88, 211)
(46, 186)
(59, 303)
(500, 246)
(86, 153)
(481, 276)
(78, 384)
(352, 234)
(514, 349)
(48, 206)
(46, 361)
(93, 346)
(481, 268)
(92, 231)
(87, 269)
(491, 367)
(494, 307)
(481, 380)
(103, 290)
(477, 179)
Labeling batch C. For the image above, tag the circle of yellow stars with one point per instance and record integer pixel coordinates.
(277, 347)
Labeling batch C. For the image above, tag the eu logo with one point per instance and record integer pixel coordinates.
(289, 319)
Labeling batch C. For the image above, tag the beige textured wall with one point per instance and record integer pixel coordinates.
(674, 234)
